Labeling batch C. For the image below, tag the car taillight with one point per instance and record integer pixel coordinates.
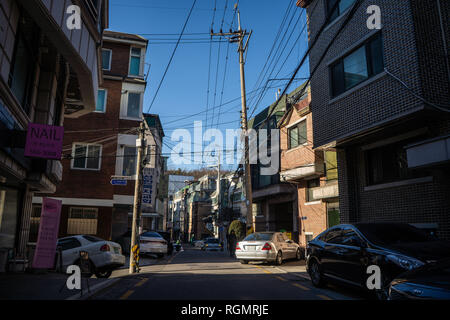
(267, 246)
(237, 246)
(104, 248)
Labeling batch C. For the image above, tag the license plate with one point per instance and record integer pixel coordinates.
(116, 250)
(250, 248)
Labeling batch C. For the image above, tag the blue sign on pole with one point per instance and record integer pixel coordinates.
(116, 182)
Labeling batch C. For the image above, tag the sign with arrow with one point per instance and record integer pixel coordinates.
(118, 182)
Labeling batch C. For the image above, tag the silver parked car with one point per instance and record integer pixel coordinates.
(267, 246)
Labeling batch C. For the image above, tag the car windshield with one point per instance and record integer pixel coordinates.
(393, 233)
(92, 239)
(151, 235)
(213, 241)
(259, 237)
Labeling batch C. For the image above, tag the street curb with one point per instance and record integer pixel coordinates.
(107, 284)
(95, 289)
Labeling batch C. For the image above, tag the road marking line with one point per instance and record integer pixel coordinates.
(266, 271)
(127, 294)
(141, 282)
(280, 278)
(300, 286)
(323, 297)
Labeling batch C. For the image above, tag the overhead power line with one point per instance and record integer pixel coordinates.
(173, 54)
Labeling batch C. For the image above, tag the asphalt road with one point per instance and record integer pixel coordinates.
(197, 275)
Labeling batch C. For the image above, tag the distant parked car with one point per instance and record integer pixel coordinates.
(167, 237)
(104, 256)
(125, 241)
(268, 247)
(430, 282)
(344, 253)
(152, 243)
(212, 244)
(199, 243)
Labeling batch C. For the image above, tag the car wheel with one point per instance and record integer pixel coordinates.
(316, 274)
(299, 254)
(160, 255)
(279, 259)
(383, 293)
(103, 274)
(244, 261)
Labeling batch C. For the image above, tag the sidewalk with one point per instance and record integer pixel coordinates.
(44, 286)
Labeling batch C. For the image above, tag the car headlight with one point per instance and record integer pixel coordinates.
(404, 262)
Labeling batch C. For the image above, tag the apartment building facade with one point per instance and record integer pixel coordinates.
(49, 73)
(312, 172)
(381, 98)
(274, 201)
(101, 148)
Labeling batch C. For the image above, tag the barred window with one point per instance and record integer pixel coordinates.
(82, 221)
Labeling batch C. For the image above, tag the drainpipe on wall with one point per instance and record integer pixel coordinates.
(444, 42)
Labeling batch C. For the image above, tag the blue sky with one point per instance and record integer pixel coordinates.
(185, 89)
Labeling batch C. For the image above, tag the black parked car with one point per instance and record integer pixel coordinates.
(344, 253)
(430, 282)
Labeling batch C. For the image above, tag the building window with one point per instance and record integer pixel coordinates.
(341, 6)
(135, 62)
(35, 220)
(297, 135)
(9, 213)
(310, 186)
(101, 100)
(333, 214)
(388, 164)
(106, 59)
(358, 66)
(129, 161)
(134, 105)
(82, 221)
(24, 61)
(331, 168)
(86, 156)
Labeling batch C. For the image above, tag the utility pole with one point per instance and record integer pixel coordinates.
(218, 197)
(240, 36)
(134, 250)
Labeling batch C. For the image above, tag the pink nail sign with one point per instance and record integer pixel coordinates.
(44, 141)
(44, 255)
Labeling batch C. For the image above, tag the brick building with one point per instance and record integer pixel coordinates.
(102, 144)
(312, 172)
(48, 75)
(382, 99)
(274, 200)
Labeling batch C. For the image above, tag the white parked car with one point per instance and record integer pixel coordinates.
(104, 256)
(267, 246)
(199, 243)
(152, 243)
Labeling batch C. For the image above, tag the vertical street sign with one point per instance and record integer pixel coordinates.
(147, 188)
(44, 256)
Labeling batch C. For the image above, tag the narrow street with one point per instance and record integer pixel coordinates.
(197, 275)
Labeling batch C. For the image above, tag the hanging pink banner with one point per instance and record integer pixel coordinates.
(44, 141)
(44, 256)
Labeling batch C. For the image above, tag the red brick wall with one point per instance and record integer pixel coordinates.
(120, 58)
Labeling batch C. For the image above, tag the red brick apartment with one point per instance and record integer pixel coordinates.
(314, 173)
(102, 144)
